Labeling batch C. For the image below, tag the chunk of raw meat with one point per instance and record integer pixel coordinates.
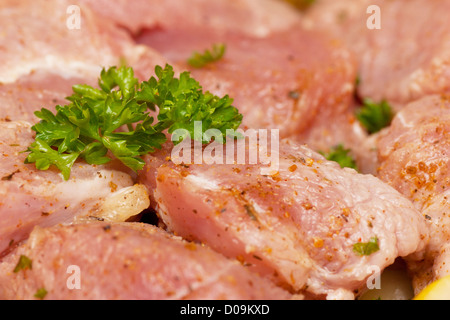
(126, 261)
(415, 159)
(31, 197)
(414, 151)
(298, 226)
(45, 36)
(407, 58)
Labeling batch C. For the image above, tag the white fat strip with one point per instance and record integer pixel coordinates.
(124, 204)
(95, 186)
(203, 182)
(400, 117)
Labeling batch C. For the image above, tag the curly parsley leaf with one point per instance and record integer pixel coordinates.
(182, 102)
(366, 248)
(199, 60)
(115, 119)
(375, 116)
(341, 155)
(44, 156)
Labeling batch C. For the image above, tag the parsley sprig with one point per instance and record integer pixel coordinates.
(341, 155)
(199, 60)
(114, 120)
(375, 116)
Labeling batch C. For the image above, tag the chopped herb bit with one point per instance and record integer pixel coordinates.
(375, 116)
(23, 264)
(199, 60)
(357, 80)
(40, 293)
(294, 94)
(366, 248)
(341, 155)
(301, 4)
(92, 124)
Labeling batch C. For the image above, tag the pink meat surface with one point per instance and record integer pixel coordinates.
(20, 99)
(252, 17)
(414, 151)
(415, 159)
(30, 197)
(126, 261)
(285, 81)
(45, 36)
(298, 226)
(407, 58)
(43, 56)
(296, 81)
